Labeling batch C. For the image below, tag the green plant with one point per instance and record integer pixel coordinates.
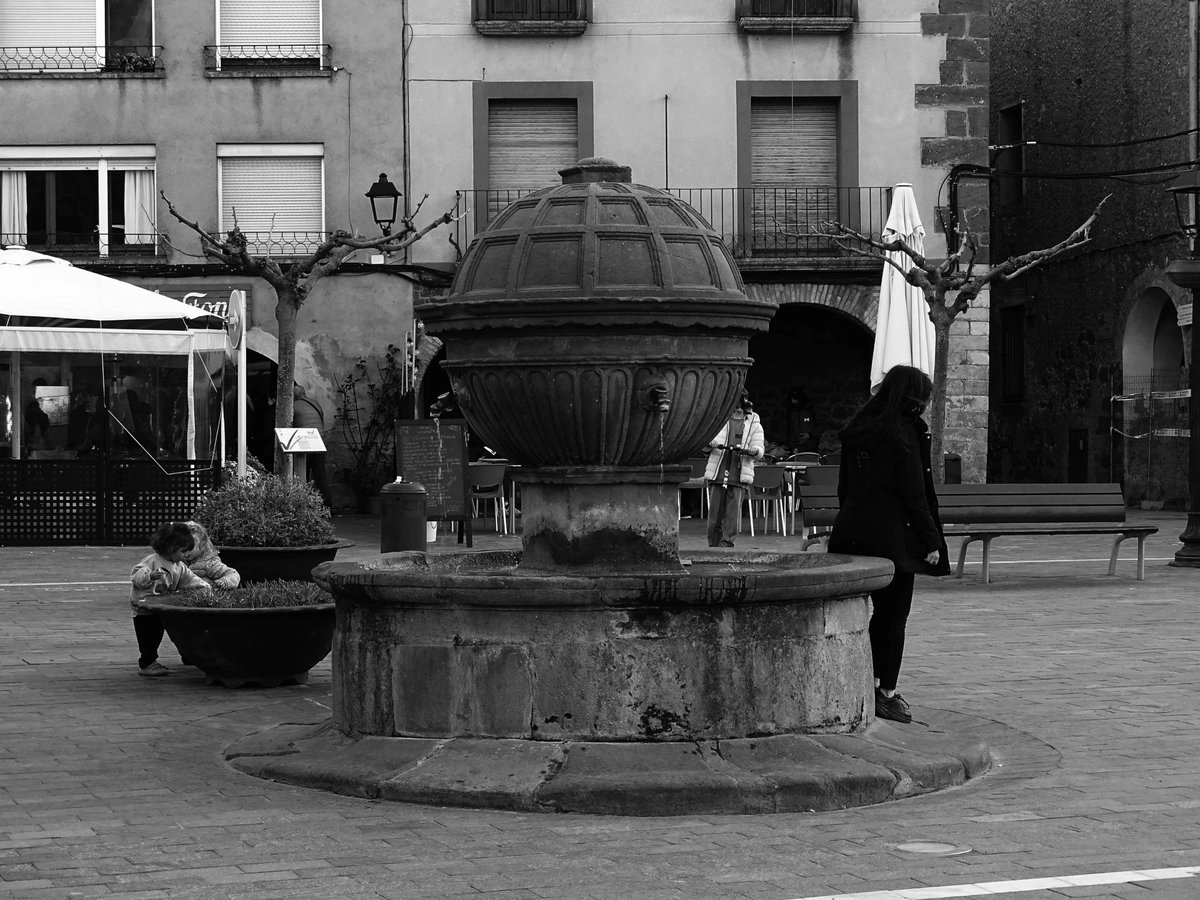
(256, 595)
(265, 511)
(368, 408)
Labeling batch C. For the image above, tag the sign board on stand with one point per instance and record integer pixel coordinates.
(433, 453)
(301, 442)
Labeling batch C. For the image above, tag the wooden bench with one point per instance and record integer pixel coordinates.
(983, 512)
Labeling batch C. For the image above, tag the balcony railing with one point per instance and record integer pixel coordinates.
(796, 15)
(119, 59)
(761, 226)
(77, 246)
(559, 17)
(283, 244)
(270, 59)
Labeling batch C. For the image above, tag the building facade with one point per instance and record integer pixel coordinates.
(770, 117)
(1089, 350)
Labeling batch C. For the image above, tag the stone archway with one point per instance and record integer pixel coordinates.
(1152, 350)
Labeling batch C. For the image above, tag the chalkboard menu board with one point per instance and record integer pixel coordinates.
(433, 453)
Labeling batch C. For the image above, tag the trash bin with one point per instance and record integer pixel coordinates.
(953, 469)
(401, 517)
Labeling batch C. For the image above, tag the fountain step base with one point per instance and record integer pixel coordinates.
(778, 774)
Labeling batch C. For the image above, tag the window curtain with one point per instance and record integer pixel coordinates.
(14, 209)
(139, 207)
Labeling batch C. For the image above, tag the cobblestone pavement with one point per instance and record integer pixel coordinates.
(1085, 685)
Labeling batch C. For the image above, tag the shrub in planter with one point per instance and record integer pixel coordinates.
(267, 526)
(266, 633)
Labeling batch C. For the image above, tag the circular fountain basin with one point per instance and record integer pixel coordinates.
(475, 645)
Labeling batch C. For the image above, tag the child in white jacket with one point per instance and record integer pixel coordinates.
(162, 572)
(204, 560)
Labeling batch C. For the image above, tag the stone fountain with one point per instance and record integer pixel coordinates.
(596, 334)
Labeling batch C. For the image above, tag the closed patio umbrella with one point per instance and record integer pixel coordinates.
(904, 334)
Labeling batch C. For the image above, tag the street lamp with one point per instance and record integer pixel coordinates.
(1186, 274)
(383, 196)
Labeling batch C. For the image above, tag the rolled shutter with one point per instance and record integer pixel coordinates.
(529, 141)
(794, 169)
(277, 200)
(48, 23)
(270, 22)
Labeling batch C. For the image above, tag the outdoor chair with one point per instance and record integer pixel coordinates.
(768, 491)
(487, 483)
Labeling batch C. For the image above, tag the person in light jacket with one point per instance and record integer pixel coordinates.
(889, 508)
(162, 572)
(730, 469)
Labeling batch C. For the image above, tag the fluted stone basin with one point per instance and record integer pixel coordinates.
(471, 644)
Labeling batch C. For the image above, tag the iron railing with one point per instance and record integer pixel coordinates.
(796, 9)
(83, 246)
(530, 10)
(285, 244)
(122, 59)
(766, 223)
(271, 57)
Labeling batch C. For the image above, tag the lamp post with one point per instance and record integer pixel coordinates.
(384, 197)
(1186, 273)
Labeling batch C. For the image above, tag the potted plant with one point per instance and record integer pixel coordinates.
(269, 527)
(266, 633)
(369, 405)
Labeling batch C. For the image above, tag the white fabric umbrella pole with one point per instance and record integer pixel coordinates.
(904, 334)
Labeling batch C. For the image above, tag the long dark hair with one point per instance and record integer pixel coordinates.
(901, 398)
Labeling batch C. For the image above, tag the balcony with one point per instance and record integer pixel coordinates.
(283, 244)
(795, 16)
(267, 60)
(767, 229)
(123, 60)
(84, 248)
(528, 18)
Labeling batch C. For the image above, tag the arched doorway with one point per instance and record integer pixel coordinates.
(1150, 422)
(825, 351)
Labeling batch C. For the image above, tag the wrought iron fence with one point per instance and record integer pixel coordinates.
(124, 58)
(274, 57)
(86, 246)
(769, 223)
(530, 10)
(285, 244)
(792, 9)
(1151, 434)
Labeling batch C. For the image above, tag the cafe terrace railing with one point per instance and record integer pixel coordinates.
(776, 225)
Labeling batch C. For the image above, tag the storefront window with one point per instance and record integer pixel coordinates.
(78, 405)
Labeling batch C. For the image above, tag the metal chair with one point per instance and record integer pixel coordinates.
(815, 475)
(696, 483)
(487, 483)
(768, 489)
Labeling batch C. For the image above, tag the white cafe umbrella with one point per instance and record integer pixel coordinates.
(904, 334)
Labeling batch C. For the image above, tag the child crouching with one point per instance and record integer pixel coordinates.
(204, 561)
(162, 572)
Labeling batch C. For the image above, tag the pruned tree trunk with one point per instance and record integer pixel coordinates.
(285, 376)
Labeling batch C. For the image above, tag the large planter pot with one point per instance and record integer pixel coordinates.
(233, 647)
(287, 563)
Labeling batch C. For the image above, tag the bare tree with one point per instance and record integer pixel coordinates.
(294, 281)
(949, 288)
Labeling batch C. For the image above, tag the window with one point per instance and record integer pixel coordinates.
(531, 17)
(525, 133)
(274, 193)
(797, 165)
(795, 16)
(268, 34)
(1010, 133)
(1012, 353)
(77, 35)
(85, 201)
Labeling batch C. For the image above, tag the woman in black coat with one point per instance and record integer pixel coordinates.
(889, 509)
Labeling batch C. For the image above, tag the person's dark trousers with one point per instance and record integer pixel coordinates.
(891, 606)
(723, 506)
(149, 631)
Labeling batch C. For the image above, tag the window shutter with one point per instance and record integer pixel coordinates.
(281, 195)
(270, 22)
(793, 170)
(529, 141)
(48, 23)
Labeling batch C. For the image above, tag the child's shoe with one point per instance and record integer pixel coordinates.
(154, 670)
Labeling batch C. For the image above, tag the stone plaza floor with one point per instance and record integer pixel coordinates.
(1085, 686)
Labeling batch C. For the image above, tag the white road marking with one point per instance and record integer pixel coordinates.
(992, 888)
(37, 584)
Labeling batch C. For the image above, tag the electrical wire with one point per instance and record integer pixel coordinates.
(1133, 142)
